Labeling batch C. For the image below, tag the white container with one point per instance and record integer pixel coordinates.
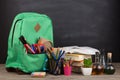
(86, 71)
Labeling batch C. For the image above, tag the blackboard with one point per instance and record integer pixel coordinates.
(75, 22)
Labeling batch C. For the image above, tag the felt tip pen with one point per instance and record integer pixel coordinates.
(24, 42)
(22, 39)
(28, 47)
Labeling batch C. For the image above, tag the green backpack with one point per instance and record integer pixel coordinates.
(32, 26)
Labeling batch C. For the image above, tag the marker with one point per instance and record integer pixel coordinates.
(25, 43)
(28, 47)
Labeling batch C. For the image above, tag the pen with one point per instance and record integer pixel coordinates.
(61, 55)
(60, 52)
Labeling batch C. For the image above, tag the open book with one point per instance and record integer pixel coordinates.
(81, 50)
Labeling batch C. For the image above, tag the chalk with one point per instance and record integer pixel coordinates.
(38, 74)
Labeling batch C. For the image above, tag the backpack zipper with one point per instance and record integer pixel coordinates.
(14, 31)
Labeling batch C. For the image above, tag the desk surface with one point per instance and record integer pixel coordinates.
(4, 75)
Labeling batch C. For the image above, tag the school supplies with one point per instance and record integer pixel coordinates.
(36, 48)
(67, 70)
(26, 45)
(55, 60)
(74, 56)
(38, 74)
(67, 66)
(85, 50)
(77, 60)
(33, 26)
(47, 44)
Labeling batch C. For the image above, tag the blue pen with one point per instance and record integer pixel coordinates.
(61, 55)
(59, 58)
(58, 61)
(33, 48)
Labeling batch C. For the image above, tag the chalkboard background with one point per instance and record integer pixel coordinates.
(93, 23)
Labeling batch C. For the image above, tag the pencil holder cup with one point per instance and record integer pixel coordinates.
(67, 70)
(55, 67)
